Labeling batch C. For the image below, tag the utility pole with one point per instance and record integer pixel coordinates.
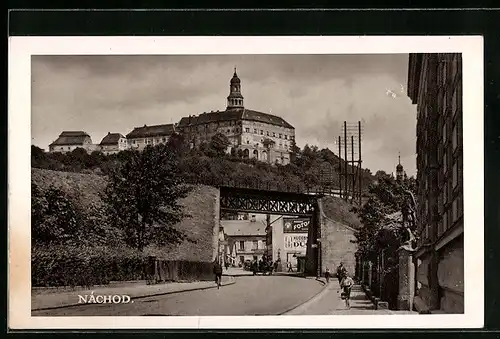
(350, 178)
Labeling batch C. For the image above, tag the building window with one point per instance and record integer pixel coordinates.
(444, 161)
(445, 193)
(228, 130)
(454, 135)
(261, 132)
(444, 133)
(454, 101)
(242, 259)
(267, 132)
(255, 245)
(247, 130)
(454, 208)
(255, 130)
(455, 174)
(242, 245)
(248, 141)
(274, 134)
(280, 135)
(445, 222)
(286, 136)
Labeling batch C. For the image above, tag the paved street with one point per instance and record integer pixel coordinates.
(250, 295)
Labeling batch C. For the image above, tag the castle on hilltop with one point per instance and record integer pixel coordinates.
(252, 134)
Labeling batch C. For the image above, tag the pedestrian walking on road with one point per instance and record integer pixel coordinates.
(346, 285)
(218, 273)
(341, 273)
(289, 264)
(327, 275)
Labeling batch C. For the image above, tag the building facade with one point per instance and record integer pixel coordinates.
(435, 86)
(113, 143)
(71, 140)
(140, 137)
(251, 134)
(244, 240)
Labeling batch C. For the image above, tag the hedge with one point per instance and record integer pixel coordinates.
(84, 266)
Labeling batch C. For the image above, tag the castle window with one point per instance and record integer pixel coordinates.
(280, 136)
(286, 136)
(261, 132)
(247, 130)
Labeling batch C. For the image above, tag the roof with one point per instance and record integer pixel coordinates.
(111, 139)
(71, 138)
(243, 228)
(151, 131)
(234, 114)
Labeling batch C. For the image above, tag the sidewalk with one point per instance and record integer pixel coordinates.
(49, 300)
(328, 302)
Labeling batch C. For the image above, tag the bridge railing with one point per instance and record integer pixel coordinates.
(263, 186)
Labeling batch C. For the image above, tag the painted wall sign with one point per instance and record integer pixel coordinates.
(296, 225)
(296, 242)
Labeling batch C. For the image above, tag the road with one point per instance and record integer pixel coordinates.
(250, 295)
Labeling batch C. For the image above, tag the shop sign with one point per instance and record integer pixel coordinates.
(296, 242)
(296, 225)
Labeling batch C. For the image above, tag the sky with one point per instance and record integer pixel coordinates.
(314, 93)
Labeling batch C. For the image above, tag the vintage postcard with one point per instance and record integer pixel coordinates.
(245, 182)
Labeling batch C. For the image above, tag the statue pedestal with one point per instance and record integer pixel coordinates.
(406, 278)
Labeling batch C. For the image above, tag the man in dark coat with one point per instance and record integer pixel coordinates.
(217, 272)
(341, 272)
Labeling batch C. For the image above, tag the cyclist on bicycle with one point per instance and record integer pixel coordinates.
(218, 273)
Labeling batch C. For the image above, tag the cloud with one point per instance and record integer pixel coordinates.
(315, 93)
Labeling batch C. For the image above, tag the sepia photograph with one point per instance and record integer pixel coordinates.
(226, 185)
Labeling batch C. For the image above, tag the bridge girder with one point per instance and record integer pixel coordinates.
(256, 201)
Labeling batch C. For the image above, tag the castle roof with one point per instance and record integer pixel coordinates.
(70, 138)
(111, 139)
(234, 115)
(151, 131)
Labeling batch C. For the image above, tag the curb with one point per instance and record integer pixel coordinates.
(308, 300)
(233, 281)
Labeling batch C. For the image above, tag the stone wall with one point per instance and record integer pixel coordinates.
(337, 245)
(451, 277)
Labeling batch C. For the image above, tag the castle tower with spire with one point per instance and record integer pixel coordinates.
(399, 170)
(235, 99)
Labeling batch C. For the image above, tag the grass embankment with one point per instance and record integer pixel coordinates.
(88, 265)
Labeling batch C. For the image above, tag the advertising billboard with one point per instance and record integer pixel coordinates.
(296, 242)
(296, 225)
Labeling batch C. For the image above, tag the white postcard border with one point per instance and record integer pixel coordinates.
(19, 203)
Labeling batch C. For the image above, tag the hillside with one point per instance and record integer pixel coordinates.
(340, 210)
(310, 169)
(85, 190)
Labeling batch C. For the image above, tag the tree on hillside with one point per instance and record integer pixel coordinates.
(383, 214)
(219, 144)
(177, 143)
(143, 197)
(55, 218)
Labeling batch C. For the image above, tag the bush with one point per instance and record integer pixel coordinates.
(84, 266)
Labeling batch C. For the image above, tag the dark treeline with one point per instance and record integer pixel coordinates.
(310, 167)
